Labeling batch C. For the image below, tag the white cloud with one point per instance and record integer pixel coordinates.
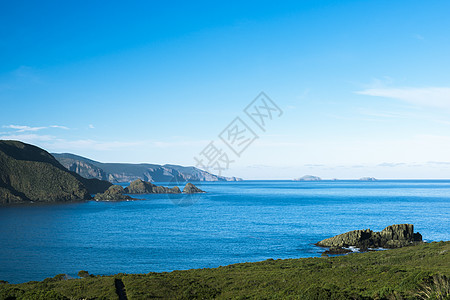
(59, 126)
(61, 144)
(27, 138)
(54, 143)
(429, 96)
(24, 128)
(91, 126)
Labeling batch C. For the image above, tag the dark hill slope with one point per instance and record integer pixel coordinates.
(29, 173)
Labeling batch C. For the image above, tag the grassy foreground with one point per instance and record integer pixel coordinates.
(416, 272)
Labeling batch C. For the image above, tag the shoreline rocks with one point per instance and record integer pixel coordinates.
(143, 187)
(192, 189)
(394, 236)
(117, 192)
(113, 193)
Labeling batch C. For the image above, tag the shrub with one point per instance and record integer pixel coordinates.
(437, 287)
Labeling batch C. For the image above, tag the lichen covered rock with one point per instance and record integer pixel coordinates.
(113, 193)
(142, 187)
(394, 236)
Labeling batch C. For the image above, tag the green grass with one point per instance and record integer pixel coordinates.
(416, 272)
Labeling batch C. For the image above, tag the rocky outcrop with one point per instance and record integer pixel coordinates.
(336, 251)
(394, 236)
(118, 172)
(142, 187)
(192, 189)
(29, 173)
(308, 178)
(113, 193)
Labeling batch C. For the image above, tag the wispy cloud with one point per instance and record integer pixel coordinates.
(428, 96)
(314, 165)
(59, 126)
(390, 165)
(91, 126)
(444, 163)
(61, 144)
(27, 137)
(25, 128)
(54, 143)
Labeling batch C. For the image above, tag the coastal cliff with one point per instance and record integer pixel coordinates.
(122, 172)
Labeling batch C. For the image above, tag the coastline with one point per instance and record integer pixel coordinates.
(403, 272)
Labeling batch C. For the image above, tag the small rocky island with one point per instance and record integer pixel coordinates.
(308, 178)
(394, 236)
(143, 187)
(368, 179)
(113, 193)
(192, 189)
(117, 193)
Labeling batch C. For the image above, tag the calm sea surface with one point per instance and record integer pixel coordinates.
(234, 222)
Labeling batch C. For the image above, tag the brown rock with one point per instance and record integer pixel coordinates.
(192, 189)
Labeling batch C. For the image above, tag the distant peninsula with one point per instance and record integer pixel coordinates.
(308, 178)
(124, 172)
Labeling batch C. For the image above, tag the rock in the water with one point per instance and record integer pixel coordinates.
(394, 236)
(113, 193)
(192, 189)
(368, 179)
(142, 187)
(308, 178)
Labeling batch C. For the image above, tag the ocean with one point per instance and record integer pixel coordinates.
(233, 222)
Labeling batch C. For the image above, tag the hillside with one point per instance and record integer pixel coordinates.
(29, 173)
(405, 273)
(123, 172)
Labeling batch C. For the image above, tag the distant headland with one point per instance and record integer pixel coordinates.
(30, 174)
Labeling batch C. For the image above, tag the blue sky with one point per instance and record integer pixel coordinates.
(363, 85)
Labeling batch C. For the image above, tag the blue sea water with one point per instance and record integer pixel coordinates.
(234, 222)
